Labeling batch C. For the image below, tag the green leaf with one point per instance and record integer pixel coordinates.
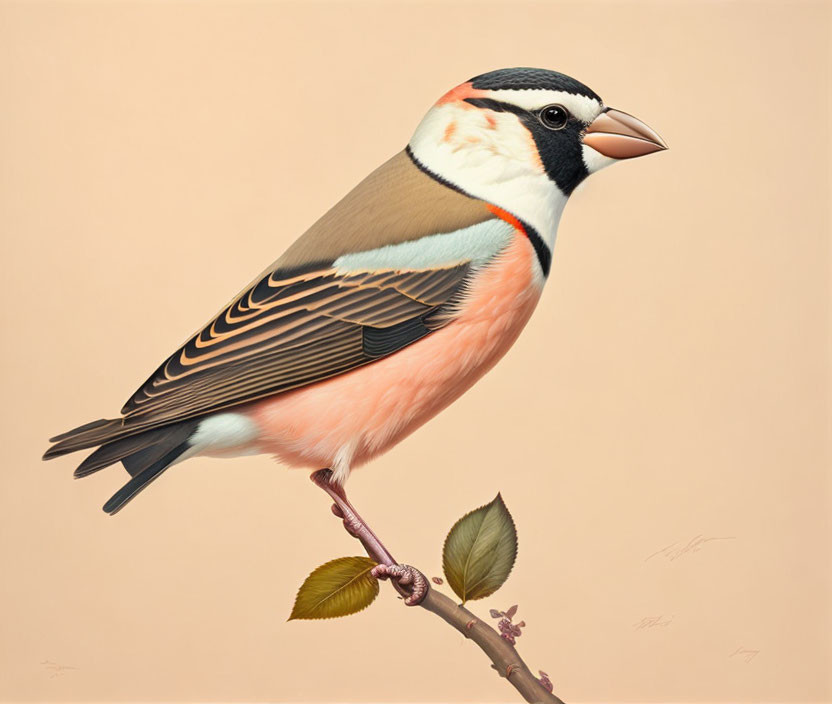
(337, 588)
(480, 551)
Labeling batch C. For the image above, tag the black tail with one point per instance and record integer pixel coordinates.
(137, 452)
(145, 455)
(142, 479)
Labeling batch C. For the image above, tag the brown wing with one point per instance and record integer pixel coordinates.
(289, 331)
(301, 321)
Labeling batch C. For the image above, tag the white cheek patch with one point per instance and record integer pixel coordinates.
(476, 244)
(594, 160)
(584, 108)
(473, 137)
(492, 156)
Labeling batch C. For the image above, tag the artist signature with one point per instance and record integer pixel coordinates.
(745, 654)
(652, 622)
(55, 669)
(677, 550)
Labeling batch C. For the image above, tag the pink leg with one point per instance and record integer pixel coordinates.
(408, 580)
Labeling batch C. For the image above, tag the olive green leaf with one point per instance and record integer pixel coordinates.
(337, 588)
(480, 551)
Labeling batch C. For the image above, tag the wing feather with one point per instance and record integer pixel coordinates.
(288, 331)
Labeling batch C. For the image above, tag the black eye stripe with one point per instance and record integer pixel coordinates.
(495, 105)
(501, 106)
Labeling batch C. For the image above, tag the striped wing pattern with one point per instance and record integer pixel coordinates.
(291, 329)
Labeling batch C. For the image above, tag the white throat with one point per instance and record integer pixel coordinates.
(491, 156)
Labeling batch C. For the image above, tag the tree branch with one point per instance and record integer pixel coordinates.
(503, 655)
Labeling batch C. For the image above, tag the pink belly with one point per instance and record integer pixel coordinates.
(347, 420)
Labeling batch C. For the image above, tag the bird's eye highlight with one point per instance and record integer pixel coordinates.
(554, 117)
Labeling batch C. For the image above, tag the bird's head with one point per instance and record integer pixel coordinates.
(524, 138)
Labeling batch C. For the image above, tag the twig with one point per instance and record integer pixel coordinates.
(503, 655)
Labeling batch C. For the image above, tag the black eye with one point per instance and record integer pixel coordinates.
(554, 117)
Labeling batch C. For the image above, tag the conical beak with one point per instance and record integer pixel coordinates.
(621, 136)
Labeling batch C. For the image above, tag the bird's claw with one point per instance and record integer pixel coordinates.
(414, 582)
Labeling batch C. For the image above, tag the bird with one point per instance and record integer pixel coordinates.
(388, 308)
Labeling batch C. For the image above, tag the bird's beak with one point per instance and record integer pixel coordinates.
(621, 136)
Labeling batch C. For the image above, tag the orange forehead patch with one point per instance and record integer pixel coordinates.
(461, 92)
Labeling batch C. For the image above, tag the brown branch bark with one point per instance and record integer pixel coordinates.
(503, 655)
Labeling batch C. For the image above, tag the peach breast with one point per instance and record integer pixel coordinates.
(345, 421)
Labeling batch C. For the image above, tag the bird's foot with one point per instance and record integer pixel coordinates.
(409, 582)
(407, 577)
(354, 524)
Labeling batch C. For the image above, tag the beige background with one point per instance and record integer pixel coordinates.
(674, 382)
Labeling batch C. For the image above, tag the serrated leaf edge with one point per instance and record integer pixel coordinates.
(498, 498)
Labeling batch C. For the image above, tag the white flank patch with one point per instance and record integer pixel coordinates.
(496, 161)
(223, 431)
(476, 244)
